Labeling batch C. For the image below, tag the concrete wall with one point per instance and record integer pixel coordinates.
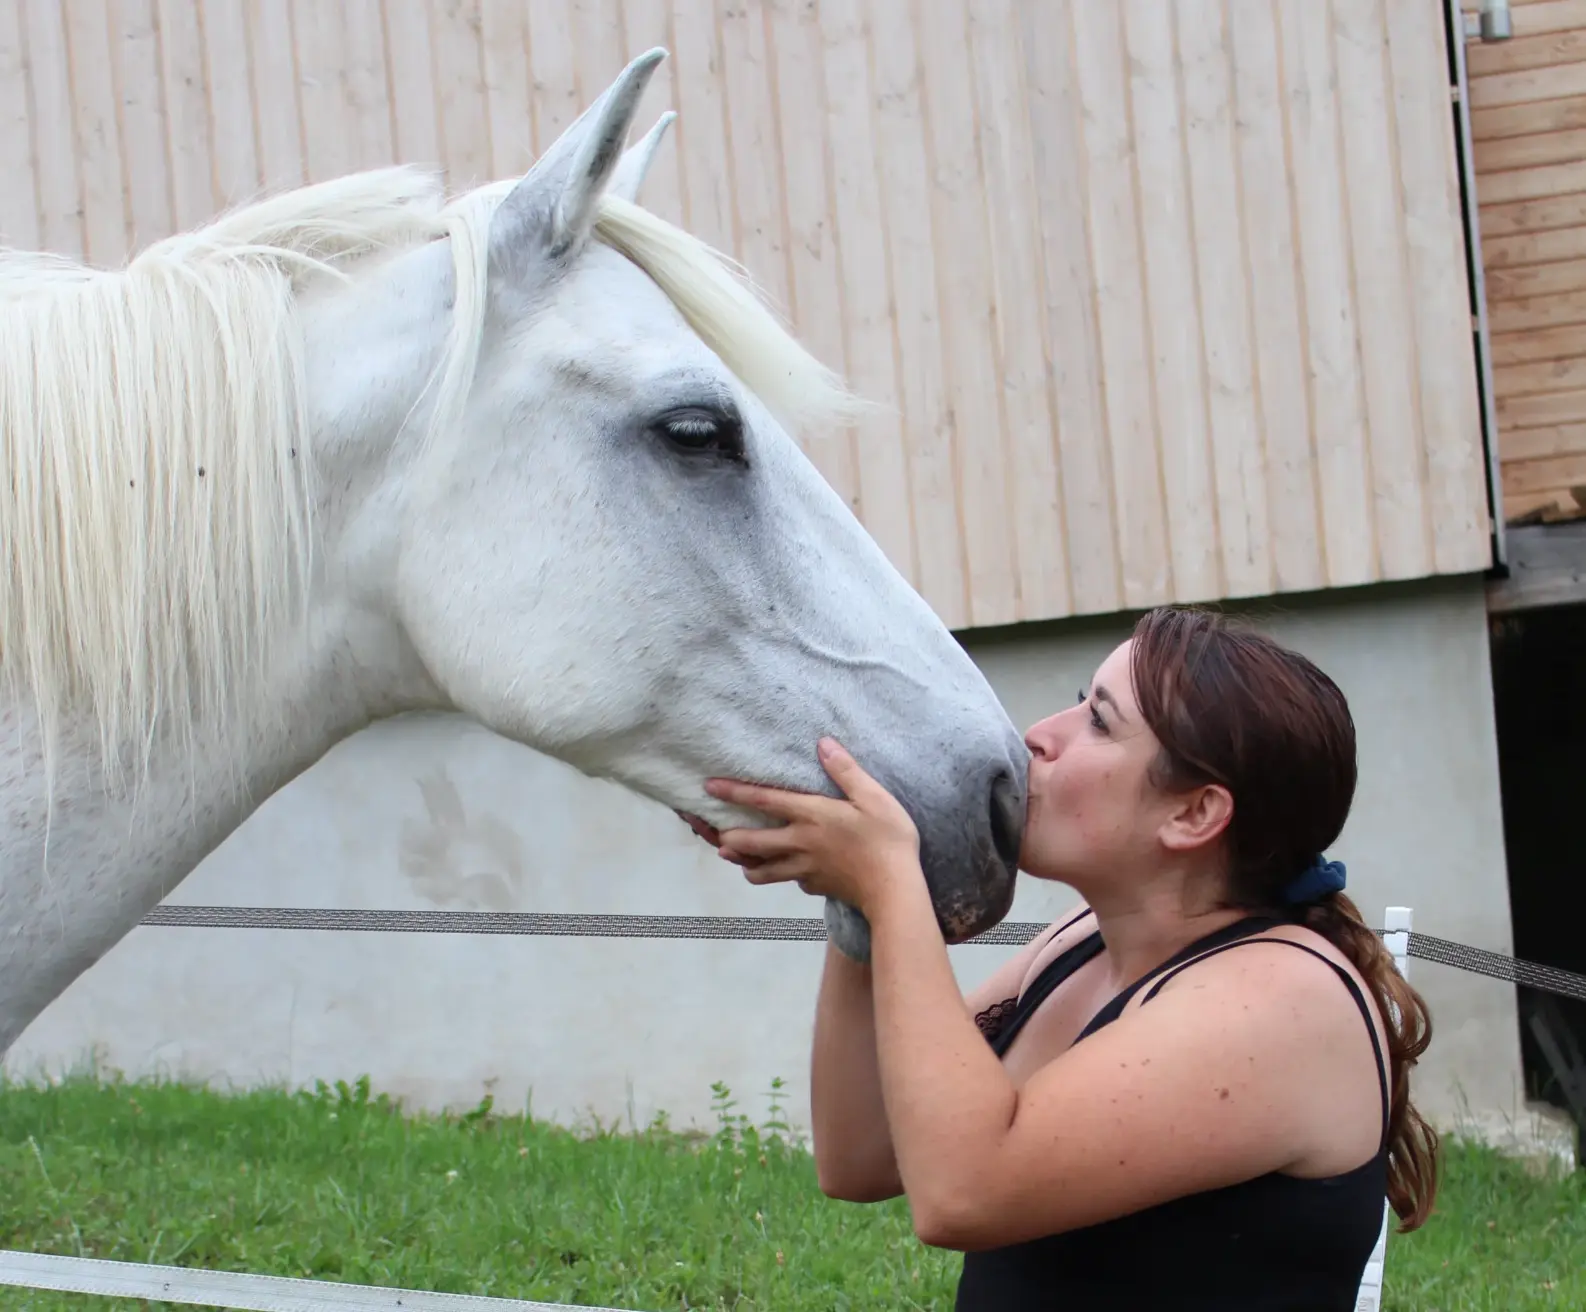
(432, 812)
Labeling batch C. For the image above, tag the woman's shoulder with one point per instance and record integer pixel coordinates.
(1273, 1013)
(1315, 986)
(1248, 1061)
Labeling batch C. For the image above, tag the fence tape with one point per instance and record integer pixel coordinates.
(1546, 979)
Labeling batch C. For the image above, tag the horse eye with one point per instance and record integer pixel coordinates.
(694, 432)
(702, 432)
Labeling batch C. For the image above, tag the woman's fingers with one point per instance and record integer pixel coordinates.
(777, 802)
(762, 843)
(786, 804)
(785, 870)
(858, 785)
(845, 772)
(768, 856)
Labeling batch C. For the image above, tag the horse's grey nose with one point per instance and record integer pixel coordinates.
(1007, 818)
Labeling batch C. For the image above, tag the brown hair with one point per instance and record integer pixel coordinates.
(1231, 706)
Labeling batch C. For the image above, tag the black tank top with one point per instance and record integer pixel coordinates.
(1275, 1242)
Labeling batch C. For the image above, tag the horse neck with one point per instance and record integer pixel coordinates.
(80, 865)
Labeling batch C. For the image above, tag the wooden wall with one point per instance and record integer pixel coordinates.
(1528, 118)
(1168, 307)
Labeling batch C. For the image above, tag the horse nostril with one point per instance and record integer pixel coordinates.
(1007, 819)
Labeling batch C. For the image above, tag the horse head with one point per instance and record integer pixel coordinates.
(618, 555)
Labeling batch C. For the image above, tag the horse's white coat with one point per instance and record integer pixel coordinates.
(441, 469)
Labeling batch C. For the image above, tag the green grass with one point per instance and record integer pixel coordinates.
(1502, 1238)
(339, 1185)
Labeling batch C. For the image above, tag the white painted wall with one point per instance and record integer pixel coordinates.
(432, 812)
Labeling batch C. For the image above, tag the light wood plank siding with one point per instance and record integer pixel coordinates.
(1165, 306)
(1528, 118)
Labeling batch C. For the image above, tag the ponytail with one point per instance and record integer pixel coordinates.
(1412, 1142)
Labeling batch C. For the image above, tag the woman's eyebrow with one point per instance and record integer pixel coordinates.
(1100, 693)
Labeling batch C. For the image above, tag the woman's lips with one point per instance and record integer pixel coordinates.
(702, 827)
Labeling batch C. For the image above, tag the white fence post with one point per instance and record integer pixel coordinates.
(1396, 938)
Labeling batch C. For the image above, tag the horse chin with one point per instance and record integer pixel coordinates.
(960, 919)
(848, 931)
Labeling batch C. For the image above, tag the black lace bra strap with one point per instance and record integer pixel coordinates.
(1042, 986)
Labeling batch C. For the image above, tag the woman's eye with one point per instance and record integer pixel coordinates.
(1096, 722)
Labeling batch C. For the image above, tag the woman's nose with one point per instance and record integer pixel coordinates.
(1045, 739)
(1049, 737)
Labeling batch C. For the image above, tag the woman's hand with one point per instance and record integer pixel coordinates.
(854, 848)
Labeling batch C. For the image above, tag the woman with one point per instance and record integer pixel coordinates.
(1130, 1113)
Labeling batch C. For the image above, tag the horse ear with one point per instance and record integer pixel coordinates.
(636, 160)
(551, 211)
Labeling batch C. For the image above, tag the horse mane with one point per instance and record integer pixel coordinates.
(155, 462)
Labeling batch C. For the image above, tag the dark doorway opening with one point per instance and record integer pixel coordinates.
(1539, 693)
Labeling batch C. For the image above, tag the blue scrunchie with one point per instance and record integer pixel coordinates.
(1316, 881)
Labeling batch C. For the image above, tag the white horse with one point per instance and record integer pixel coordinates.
(353, 451)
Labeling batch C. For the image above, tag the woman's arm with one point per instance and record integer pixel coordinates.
(1230, 1072)
(853, 1146)
(854, 1157)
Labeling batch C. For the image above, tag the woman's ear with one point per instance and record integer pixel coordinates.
(1200, 816)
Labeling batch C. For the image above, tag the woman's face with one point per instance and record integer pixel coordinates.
(1092, 808)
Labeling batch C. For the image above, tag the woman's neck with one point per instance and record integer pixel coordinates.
(1143, 927)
